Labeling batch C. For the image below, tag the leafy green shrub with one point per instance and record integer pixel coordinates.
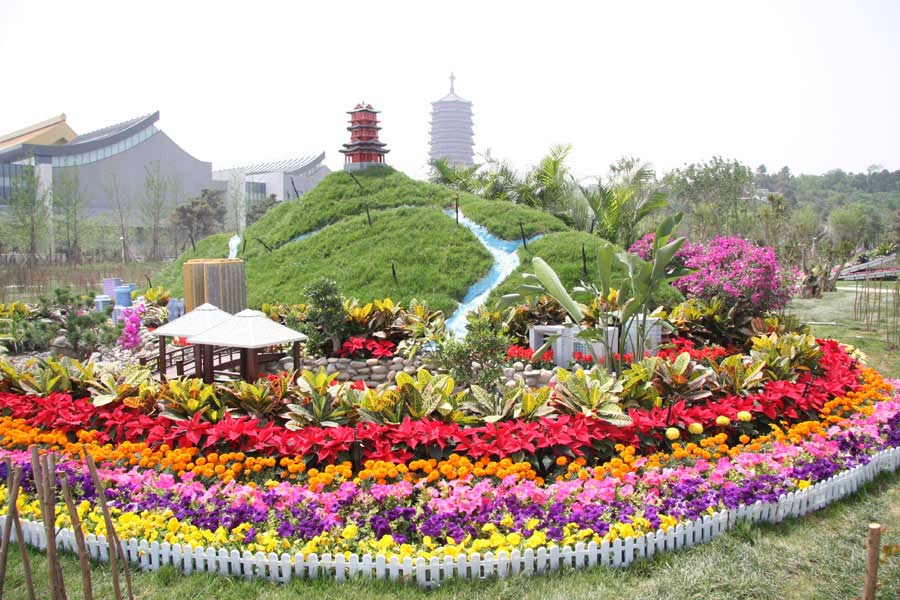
(326, 323)
(477, 359)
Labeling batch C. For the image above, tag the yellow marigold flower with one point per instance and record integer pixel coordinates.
(695, 428)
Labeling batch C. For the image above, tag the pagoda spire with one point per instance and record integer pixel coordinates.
(452, 130)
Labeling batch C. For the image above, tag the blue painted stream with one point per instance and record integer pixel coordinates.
(505, 262)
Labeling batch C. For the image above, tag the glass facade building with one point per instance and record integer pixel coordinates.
(8, 174)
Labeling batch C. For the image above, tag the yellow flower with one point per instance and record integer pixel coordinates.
(349, 532)
(173, 525)
(538, 538)
(672, 434)
(695, 428)
(803, 484)
(723, 421)
(744, 416)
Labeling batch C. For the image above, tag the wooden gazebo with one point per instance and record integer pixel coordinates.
(188, 325)
(249, 330)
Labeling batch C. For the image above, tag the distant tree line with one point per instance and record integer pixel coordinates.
(816, 222)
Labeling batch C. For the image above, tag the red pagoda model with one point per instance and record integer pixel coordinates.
(364, 149)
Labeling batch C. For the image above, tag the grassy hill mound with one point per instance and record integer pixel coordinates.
(434, 259)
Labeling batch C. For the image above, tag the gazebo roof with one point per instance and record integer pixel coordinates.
(197, 321)
(247, 329)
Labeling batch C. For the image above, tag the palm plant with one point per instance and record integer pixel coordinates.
(462, 178)
(618, 207)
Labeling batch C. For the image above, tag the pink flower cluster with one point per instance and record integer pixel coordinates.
(742, 274)
(131, 333)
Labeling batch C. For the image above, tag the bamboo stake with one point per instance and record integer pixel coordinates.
(43, 472)
(114, 548)
(50, 475)
(12, 482)
(873, 552)
(79, 539)
(13, 515)
(37, 468)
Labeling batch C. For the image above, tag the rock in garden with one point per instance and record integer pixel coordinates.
(61, 346)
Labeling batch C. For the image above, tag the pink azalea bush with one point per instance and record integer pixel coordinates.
(742, 274)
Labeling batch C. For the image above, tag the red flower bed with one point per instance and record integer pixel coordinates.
(427, 438)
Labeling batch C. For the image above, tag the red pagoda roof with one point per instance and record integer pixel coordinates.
(362, 108)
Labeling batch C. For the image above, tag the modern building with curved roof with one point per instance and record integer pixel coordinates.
(112, 166)
(111, 163)
(452, 131)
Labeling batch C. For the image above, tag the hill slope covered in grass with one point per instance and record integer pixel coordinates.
(435, 259)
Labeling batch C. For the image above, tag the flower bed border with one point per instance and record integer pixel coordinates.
(619, 553)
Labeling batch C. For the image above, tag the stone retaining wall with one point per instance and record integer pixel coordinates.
(376, 371)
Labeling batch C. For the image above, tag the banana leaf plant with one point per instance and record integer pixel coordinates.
(642, 280)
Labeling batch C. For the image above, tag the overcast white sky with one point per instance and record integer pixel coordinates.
(813, 85)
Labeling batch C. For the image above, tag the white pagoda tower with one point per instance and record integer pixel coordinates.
(451, 129)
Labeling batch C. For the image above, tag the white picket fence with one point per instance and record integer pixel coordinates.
(620, 553)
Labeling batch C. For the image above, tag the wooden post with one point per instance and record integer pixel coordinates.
(161, 361)
(198, 361)
(873, 553)
(252, 364)
(209, 373)
(243, 366)
(295, 354)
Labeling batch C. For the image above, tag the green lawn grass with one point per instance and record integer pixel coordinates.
(837, 308)
(819, 556)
